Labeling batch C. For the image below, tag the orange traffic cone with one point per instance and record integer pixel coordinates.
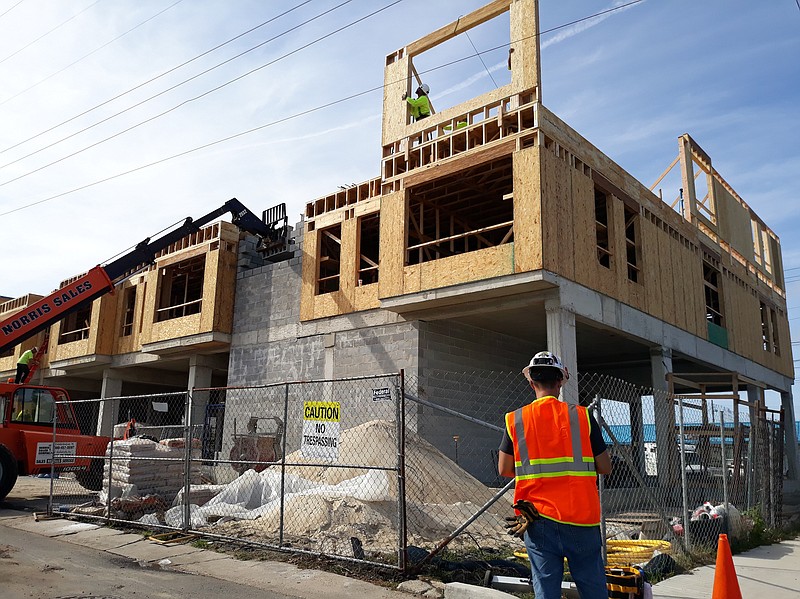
(726, 585)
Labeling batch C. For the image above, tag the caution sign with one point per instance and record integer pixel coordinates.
(65, 453)
(321, 430)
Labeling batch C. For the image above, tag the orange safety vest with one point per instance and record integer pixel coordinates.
(553, 461)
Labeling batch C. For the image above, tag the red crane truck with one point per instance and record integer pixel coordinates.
(27, 412)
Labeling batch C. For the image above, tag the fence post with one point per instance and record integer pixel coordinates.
(601, 486)
(726, 499)
(110, 467)
(684, 482)
(771, 432)
(401, 474)
(52, 461)
(187, 463)
(283, 463)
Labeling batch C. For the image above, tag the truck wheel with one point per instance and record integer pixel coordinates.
(92, 478)
(8, 471)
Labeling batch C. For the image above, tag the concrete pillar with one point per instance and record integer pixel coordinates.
(561, 341)
(109, 410)
(667, 454)
(200, 378)
(790, 438)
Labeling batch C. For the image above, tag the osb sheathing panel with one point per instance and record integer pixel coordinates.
(525, 66)
(175, 328)
(392, 244)
(527, 210)
(734, 221)
(367, 297)
(584, 228)
(222, 273)
(558, 245)
(650, 270)
(395, 111)
(309, 274)
(557, 129)
(150, 300)
(464, 268)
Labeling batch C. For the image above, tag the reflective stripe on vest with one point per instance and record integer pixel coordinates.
(575, 465)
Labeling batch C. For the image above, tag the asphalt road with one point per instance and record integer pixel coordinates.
(37, 567)
(64, 559)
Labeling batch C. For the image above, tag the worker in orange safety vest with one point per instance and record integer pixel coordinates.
(555, 450)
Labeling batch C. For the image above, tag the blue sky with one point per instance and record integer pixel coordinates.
(631, 81)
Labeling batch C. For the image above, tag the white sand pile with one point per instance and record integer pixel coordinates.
(327, 505)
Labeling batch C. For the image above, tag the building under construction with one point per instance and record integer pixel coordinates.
(493, 230)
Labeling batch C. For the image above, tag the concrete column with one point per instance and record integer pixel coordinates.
(667, 449)
(109, 410)
(561, 341)
(200, 378)
(790, 438)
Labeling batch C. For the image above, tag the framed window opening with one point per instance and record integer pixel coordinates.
(632, 246)
(181, 289)
(461, 213)
(368, 249)
(75, 327)
(129, 311)
(602, 202)
(712, 282)
(329, 259)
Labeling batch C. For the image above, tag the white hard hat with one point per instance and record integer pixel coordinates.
(545, 365)
(424, 87)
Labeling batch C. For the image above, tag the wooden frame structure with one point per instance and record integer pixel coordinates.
(499, 185)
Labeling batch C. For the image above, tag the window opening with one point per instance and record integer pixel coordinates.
(368, 249)
(462, 213)
(75, 326)
(129, 303)
(329, 259)
(776, 346)
(632, 248)
(712, 284)
(181, 288)
(766, 342)
(601, 211)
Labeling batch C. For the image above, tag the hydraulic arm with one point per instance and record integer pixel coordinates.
(271, 229)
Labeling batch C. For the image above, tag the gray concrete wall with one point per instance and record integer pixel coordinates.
(486, 387)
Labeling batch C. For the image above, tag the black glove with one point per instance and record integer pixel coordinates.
(405, 95)
(517, 525)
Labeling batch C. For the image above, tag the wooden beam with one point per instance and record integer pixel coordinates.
(457, 27)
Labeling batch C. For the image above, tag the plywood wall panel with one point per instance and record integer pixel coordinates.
(309, 274)
(527, 210)
(557, 227)
(584, 228)
(392, 244)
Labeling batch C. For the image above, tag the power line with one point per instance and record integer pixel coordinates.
(287, 118)
(205, 93)
(167, 72)
(488, 72)
(85, 56)
(12, 8)
(162, 92)
(29, 44)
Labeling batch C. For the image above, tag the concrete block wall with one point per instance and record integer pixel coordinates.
(476, 372)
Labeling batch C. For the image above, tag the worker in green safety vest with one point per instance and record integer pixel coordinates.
(22, 365)
(420, 107)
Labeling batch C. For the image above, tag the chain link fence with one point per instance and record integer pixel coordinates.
(387, 469)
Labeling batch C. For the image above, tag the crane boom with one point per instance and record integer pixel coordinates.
(273, 241)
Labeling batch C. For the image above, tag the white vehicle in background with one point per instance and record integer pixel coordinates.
(691, 458)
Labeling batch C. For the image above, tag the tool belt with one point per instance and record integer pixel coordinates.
(624, 583)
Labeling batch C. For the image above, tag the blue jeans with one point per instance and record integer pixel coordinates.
(549, 542)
